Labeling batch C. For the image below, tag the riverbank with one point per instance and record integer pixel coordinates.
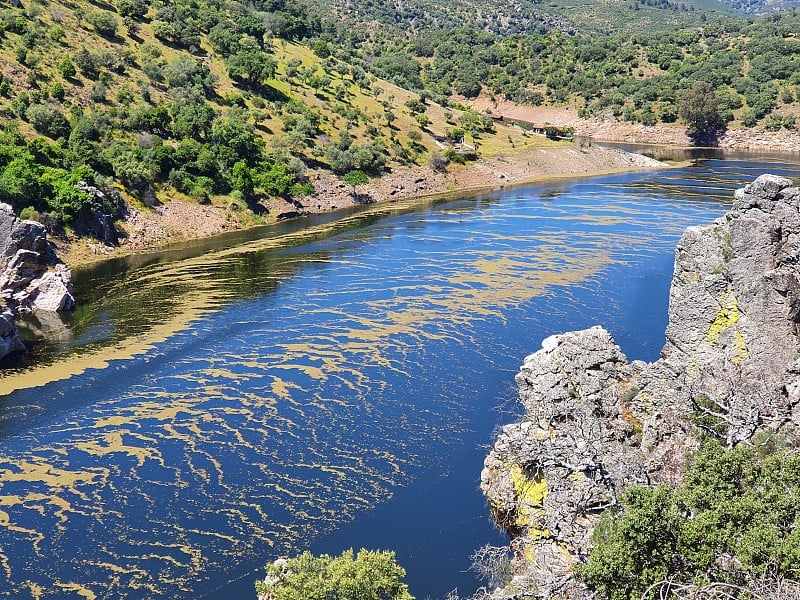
(610, 129)
(182, 219)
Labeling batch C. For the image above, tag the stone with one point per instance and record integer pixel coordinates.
(52, 291)
(595, 424)
(9, 335)
(32, 278)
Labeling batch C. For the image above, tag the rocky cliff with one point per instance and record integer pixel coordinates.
(595, 423)
(32, 278)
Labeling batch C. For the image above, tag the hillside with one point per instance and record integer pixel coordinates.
(762, 7)
(750, 70)
(207, 102)
(255, 106)
(534, 16)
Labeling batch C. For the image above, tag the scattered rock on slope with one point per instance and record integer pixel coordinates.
(595, 423)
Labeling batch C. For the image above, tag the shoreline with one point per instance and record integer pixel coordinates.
(165, 226)
(607, 128)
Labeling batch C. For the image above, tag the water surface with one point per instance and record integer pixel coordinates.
(214, 407)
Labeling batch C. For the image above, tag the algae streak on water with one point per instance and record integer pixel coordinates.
(292, 389)
(193, 428)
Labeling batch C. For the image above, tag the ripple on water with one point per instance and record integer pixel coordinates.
(248, 399)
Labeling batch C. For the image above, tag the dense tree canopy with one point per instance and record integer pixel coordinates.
(699, 108)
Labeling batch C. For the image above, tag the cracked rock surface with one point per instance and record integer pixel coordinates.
(595, 423)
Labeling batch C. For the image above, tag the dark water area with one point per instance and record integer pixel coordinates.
(327, 384)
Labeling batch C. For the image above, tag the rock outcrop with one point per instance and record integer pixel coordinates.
(595, 423)
(32, 278)
(9, 335)
(96, 218)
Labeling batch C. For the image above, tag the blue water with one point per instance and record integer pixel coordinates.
(210, 409)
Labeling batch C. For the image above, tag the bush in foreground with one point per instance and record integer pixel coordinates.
(369, 575)
(731, 524)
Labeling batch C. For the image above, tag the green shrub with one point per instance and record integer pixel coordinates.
(732, 503)
(57, 90)
(48, 120)
(369, 575)
(88, 63)
(103, 23)
(135, 9)
(29, 214)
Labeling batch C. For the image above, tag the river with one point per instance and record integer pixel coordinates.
(321, 385)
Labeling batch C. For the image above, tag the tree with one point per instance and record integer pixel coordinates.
(251, 67)
(87, 63)
(415, 106)
(355, 178)
(274, 177)
(731, 521)
(20, 181)
(242, 179)
(191, 118)
(233, 132)
(103, 22)
(48, 120)
(699, 109)
(186, 72)
(135, 9)
(369, 575)
(66, 67)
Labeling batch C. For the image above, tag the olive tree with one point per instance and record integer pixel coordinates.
(700, 110)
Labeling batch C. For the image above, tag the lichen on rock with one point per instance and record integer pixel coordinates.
(595, 424)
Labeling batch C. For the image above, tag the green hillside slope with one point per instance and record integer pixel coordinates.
(762, 7)
(233, 102)
(195, 99)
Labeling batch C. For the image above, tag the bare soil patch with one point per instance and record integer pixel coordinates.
(179, 220)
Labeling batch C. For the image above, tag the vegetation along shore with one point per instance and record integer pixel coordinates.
(128, 125)
(135, 124)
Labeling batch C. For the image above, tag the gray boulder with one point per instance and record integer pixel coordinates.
(595, 424)
(9, 335)
(32, 278)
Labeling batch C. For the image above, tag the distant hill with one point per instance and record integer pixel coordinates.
(762, 7)
(534, 16)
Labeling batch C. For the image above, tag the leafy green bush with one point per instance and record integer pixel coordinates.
(733, 519)
(48, 120)
(369, 575)
(274, 177)
(29, 214)
(135, 9)
(103, 22)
